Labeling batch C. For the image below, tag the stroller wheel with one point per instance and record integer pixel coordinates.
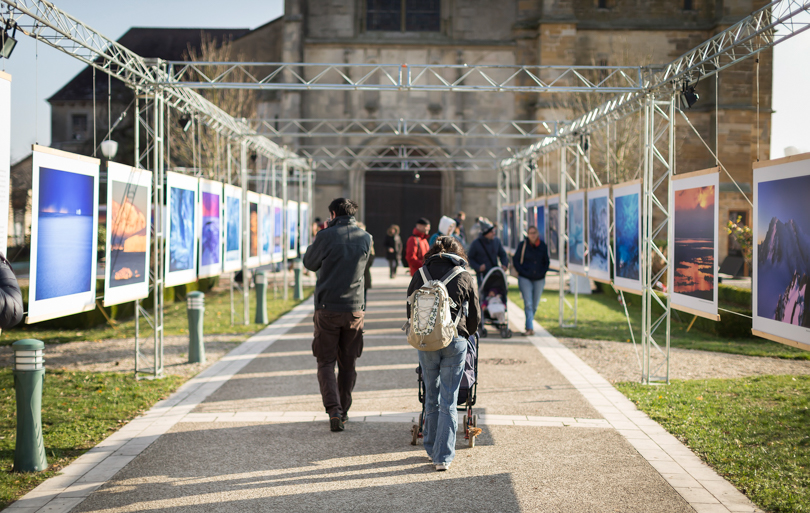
(483, 333)
(508, 333)
(505, 333)
(414, 434)
(475, 421)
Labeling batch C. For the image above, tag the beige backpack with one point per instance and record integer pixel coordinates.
(431, 326)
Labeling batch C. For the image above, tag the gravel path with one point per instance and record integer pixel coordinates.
(616, 362)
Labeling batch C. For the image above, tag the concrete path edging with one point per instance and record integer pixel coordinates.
(98, 465)
(703, 488)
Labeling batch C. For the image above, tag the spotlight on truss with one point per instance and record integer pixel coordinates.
(416, 177)
(8, 42)
(185, 122)
(688, 95)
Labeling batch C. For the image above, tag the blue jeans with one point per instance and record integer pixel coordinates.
(441, 372)
(531, 290)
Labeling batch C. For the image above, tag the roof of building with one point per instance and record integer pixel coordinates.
(149, 42)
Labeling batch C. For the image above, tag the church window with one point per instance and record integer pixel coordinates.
(78, 124)
(422, 15)
(384, 15)
(688, 5)
(403, 15)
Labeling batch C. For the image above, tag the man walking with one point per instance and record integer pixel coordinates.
(485, 251)
(417, 246)
(339, 253)
(460, 218)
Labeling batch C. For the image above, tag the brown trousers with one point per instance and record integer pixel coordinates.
(338, 339)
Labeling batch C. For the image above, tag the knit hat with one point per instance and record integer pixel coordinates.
(423, 221)
(486, 227)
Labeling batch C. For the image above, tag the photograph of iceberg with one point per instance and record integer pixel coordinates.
(553, 226)
(232, 230)
(65, 217)
(128, 235)
(576, 230)
(292, 227)
(598, 230)
(181, 231)
(695, 233)
(254, 229)
(210, 229)
(267, 229)
(782, 250)
(627, 236)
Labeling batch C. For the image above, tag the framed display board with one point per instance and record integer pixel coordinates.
(305, 228)
(553, 223)
(129, 225)
(64, 234)
(537, 216)
(693, 284)
(599, 233)
(627, 236)
(211, 240)
(232, 210)
(181, 207)
(266, 229)
(292, 229)
(576, 232)
(278, 230)
(781, 247)
(509, 227)
(253, 259)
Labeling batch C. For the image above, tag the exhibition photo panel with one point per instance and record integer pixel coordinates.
(266, 232)
(64, 234)
(576, 232)
(693, 284)
(181, 251)
(781, 253)
(278, 230)
(129, 225)
(292, 228)
(211, 228)
(253, 259)
(599, 233)
(232, 259)
(305, 228)
(553, 241)
(627, 236)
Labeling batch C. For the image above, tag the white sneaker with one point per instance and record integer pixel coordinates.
(442, 467)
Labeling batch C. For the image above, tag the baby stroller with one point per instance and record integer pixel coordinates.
(494, 279)
(466, 395)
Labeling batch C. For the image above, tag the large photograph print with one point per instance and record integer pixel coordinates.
(253, 260)
(553, 241)
(181, 208)
(232, 260)
(306, 228)
(627, 236)
(694, 280)
(599, 234)
(211, 226)
(278, 230)
(781, 255)
(129, 199)
(292, 229)
(266, 229)
(64, 234)
(576, 232)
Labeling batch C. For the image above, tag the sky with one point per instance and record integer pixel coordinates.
(33, 83)
(784, 200)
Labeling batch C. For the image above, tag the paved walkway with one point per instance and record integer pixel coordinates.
(249, 434)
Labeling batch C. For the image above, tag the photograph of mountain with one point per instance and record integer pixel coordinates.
(128, 234)
(598, 234)
(695, 233)
(576, 231)
(783, 250)
(627, 236)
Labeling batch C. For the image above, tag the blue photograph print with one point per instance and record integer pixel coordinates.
(210, 228)
(267, 229)
(278, 230)
(181, 244)
(627, 232)
(598, 229)
(65, 252)
(541, 221)
(576, 235)
(783, 265)
(292, 227)
(232, 231)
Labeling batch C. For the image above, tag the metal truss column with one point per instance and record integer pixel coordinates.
(566, 178)
(525, 193)
(656, 216)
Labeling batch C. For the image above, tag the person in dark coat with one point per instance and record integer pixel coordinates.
(462, 234)
(531, 263)
(339, 255)
(486, 250)
(442, 369)
(11, 301)
(393, 248)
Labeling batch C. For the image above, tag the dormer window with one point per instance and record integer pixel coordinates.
(403, 15)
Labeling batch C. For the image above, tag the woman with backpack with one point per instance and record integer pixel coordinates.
(442, 368)
(393, 248)
(531, 263)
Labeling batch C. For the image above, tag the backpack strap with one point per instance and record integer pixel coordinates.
(452, 274)
(425, 275)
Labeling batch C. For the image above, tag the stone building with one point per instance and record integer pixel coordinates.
(529, 32)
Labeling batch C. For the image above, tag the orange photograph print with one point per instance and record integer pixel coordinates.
(695, 232)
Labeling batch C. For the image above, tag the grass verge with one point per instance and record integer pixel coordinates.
(753, 431)
(601, 317)
(217, 321)
(79, 410)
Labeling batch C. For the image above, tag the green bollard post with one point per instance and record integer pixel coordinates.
(29, 377)
(299, 288)
(260, 278)
(196, 312)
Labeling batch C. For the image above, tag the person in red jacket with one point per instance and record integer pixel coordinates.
(417, 246)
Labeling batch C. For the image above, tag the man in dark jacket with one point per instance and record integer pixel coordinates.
(485, 251)
(11, 301)
(531, 263)
(339, 255)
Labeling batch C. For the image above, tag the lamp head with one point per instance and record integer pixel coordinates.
(688, 95)
(8, 42)
(109, 148)
(185, 122)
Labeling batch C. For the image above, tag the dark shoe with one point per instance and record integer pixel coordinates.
(336, 424)
(344, 418)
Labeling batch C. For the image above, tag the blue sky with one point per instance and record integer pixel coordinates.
(53, 185)
(30, 113)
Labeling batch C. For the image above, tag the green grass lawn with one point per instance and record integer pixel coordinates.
(753, 431)
(217, 321)
(601, 317)
(79, 410)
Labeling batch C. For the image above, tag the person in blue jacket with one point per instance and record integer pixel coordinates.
(485, 252)
(531, 263)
